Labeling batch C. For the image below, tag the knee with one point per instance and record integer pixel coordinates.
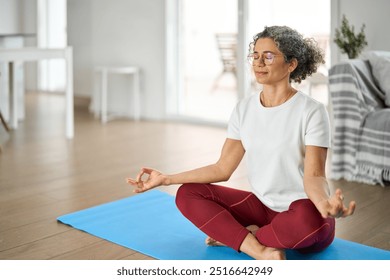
(185, 190)
(304, 206)
(308, 213)
(186, 193)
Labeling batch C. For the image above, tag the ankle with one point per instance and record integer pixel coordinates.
(252, 247)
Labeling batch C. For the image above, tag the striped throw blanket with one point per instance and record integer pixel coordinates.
(361, 125)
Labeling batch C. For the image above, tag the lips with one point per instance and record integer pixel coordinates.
(261, 73)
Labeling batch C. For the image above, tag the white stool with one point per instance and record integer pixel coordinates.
(100, 98)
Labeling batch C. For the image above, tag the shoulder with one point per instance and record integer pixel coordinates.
(314, 114)
(248, 99)
(309, 104)
(246, 102)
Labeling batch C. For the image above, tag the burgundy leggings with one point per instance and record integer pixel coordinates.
(224, 213)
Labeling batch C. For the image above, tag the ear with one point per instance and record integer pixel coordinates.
(292, 65)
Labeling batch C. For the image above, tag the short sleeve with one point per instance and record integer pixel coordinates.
(233, 131)
(318, 128)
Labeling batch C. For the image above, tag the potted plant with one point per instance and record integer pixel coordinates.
(350, 43)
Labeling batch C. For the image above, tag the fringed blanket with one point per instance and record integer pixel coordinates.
(361, 135)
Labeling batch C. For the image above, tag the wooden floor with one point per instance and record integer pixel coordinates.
(43, 175)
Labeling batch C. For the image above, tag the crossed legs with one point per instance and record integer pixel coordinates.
(239, 220)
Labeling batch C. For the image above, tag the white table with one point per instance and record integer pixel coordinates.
(17, 56)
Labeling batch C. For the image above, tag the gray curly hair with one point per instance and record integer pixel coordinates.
(293, 45)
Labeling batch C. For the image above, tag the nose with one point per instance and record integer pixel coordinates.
(259, 62)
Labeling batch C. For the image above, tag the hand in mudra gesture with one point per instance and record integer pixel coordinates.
(334, 206)
(154, 179)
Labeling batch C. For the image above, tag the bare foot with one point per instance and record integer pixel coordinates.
(253, 229)
(212, 242)
(252, 247)
(273, 254)
(255, 249)
(268, 253)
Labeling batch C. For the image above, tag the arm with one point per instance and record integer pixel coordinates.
(231, 155)
(316, 185)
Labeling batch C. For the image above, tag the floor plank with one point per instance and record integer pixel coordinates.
(101, 250)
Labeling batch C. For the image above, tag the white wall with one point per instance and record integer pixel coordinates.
(10, 21)
(17, 16)
(29, 19)
(120, 33)
(374, 14)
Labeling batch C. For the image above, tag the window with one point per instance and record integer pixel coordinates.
(207, 61)
(198, 85)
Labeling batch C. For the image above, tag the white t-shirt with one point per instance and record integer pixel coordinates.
(274, 139)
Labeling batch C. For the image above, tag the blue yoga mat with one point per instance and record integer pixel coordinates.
(151, 224)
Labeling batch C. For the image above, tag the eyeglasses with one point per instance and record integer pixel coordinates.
(266, 57)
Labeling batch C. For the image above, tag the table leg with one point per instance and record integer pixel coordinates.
(69, 110)
(136, 93)
(13, 96)
(104, 96)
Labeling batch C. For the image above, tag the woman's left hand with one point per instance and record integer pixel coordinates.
(334, 206)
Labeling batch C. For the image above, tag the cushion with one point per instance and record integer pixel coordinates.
(380, 63)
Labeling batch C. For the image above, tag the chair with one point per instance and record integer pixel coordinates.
(227, 46)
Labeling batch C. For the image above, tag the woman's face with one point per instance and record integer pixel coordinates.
(269, 66)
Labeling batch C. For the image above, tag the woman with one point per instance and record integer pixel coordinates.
(285, 135)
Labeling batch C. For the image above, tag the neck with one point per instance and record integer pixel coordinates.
(271, 97)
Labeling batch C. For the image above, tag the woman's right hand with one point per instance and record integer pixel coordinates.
(155, 178)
